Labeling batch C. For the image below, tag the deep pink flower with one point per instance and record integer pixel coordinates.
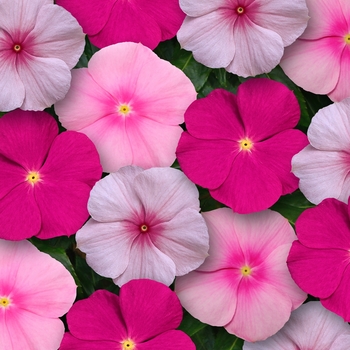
(312, 327)
(145, 224)
(113, 21)
(35, 290)
(319, 261)
(130, 103)
(246, 37)
(319, 61)
(244, 284)
(241, 146)
(45, 178)
(39, 44)
(143, 317)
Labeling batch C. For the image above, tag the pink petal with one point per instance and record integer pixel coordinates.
(149, 308)
(216, 290)
(196, 155)
(184, 239)
(210, 37)
(11, 176)
(316, 271)
(322, 174)
(266, 107)
(71, 343)
(314, 65)
(200, 8)
(107, 252)
(341, 343)
(101, 316)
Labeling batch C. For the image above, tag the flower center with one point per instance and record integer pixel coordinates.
(124, 109)
(347, 39)
(245, 144)
(144, 228)
(240, 10)
(17, 48)
(33, 177)
(128, 344)
(246, 270)
(4, 302)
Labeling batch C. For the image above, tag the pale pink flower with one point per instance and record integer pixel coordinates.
(246, 37)
(35, 290)
(319, 61)
(312, 327)
(39, 44)
(145, 224)
(130, 103)
(244, 285)
(323, 166)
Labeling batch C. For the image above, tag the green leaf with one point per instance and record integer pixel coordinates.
(226, 341)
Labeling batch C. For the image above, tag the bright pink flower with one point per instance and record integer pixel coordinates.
(39, 44)
(312, 327)
(45, 178)
(145, 224)
(246, 37)
(323, 166)
(113, 21)
(319, 261)
(143, 317)
(244, 284)
(319, 61)
(35, 290)
(241, 145)
(130, 103)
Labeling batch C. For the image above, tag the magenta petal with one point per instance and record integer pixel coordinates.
(326, 226)
(11, 175)
(149, 308)
(317, 271)
(71, 343)
(266, 107)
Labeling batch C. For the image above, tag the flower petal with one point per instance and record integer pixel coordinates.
(201, 7)
(71, 343)
(11, 175)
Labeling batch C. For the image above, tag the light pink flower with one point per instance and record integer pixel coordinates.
(143, 317)
(246, 37)
(312, 327)
(319, 61)
(113, 21)
(35, 290)
(244, 284)
(39, 43)
(145, 224)
(323, 166)
(130, 103)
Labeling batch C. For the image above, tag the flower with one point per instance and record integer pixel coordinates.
(35, 290)
(244, 284)
(113, 21)
(246, 37)
(130, 103)
(319, 261)
(45, 178)
(241, 145)
(144, 224)
(323, 166)
(143, 317)
(311, 326)
(39, 43)
(319, 60)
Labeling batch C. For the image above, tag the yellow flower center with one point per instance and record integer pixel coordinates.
(124, 109)
(246, 270)
(4, 302)
(240, 10)
(144, 228)
(33, 177)
(17, 48)
(347, 39)
(128, 345)
(245, 144)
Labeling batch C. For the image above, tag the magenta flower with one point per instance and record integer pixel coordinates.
(323, 166)
(244, 284)
(130, 103)
(241, 145)
(319, 261)
(45, 178)
(35, 290)
(39, 44)
(246, 37)
(311, 326)
(113, 21)
(319, 60)
(145, 224)
(143, 317)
